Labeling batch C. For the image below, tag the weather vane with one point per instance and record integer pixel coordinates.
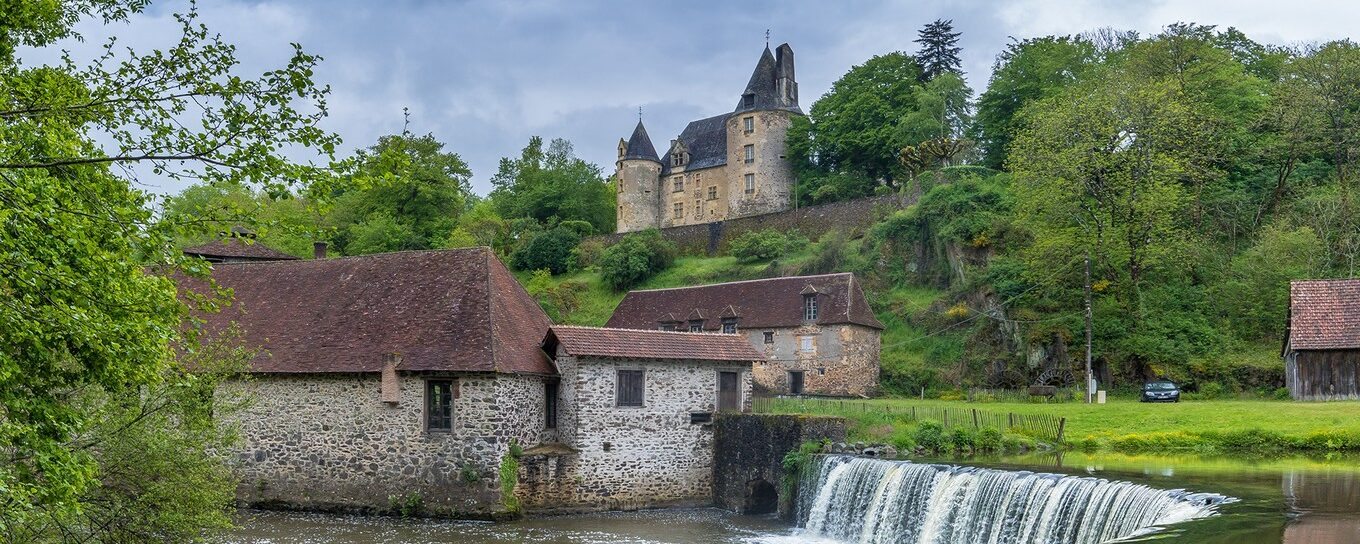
(639, 113)
(767, 37)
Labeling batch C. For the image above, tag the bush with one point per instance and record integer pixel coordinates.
(830, 254)
(586, 254)
(764, 245)
(635, 258)
(988, 440)
(962, 440)
(930, 436)
(549, 250)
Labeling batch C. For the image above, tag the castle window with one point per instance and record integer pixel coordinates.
(729, 325)
(439, 405)
(679, 185)
(810, 307)
(628, 388)
(750, 153)
(713, 192)
(749, 124)
(748, 100)
(679, 210)
(698, 208)
(750, 184)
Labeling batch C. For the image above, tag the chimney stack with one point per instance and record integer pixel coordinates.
(319, 250)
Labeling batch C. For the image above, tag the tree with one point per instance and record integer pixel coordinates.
(943, 113)
(201, 213)
(849, 143)
(83, 319)
(548, 250)
(638, 256)
(1026, 71)
(550, 185)
(405, 185)
(939, 53)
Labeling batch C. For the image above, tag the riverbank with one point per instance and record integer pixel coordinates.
(1242, 427)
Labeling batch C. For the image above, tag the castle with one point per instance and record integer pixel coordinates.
(726, 166)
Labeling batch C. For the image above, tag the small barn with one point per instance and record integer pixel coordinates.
(1322, 344)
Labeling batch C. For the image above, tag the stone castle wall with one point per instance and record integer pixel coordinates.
(624, 458)
(844, 361)
(851, 216)
(773, 191)
(328, 442)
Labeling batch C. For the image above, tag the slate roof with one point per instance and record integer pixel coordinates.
(1324, 314)
(237, 248)
(706, 140)
(640, 145)
(449, 310)
(652, 344)
(763, 82)
(757, 304)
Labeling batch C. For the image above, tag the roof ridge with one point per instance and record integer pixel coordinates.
(490, 310)
(356, 257)
(776, 278)
(658, 331)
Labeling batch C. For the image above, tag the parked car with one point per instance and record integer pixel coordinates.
(1160, 391)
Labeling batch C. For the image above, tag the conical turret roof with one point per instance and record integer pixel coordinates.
(762, 90)
(640, 145)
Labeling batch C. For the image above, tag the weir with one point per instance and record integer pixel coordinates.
(855, 499)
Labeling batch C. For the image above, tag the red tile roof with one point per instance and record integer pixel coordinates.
(1324, 314)
(236, 248)
(450, 310)
(652, 344)
(767, 303)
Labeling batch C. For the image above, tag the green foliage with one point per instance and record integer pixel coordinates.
(553, 185)
(797, 463)
(939, 54)
(764, 245)
(636, 257)
(469, 473)
(1255, 293)
(930, 436)
(202, 213)
(509, 477)
(549, 250)
(586, 254)
(408, 505)
(1027, 71)
(831, 253)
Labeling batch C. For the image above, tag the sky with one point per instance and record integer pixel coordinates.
(485, 76)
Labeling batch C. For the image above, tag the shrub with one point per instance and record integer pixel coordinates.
(930, 436)
(636, 257)
(763, 245)
(586, 254)
(830, 254)
(988, 440)
(581, 228)
(549, 250)
(962, 440)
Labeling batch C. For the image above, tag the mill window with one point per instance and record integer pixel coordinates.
(750, 151)
(679, 210)
(667, 327)
(750, 184)
(807, 344)
(628, 388)
(550, 405)
(439, 405)
(713, 192)
(769, 337)
(729, 325)
(809, 307)
(749, 124)
(696, 326)
(679, 185)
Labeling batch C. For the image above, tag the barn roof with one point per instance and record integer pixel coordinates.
(1324, 314)
(448, 310)
(767, 303)
(237, 248)
(652, 344)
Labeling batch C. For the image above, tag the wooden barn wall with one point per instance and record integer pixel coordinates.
(1323, 375)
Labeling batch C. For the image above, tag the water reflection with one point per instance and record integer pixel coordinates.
(1325, 506)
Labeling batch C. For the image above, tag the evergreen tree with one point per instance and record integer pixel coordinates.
(939, 53)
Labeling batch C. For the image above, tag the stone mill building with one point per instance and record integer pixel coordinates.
(726, 166)
(382, 380)
(817, 334)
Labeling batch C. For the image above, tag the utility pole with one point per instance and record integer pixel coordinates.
(1088, 327)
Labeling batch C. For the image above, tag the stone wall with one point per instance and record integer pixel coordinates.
(844, 361)
(770, 167)
(328, 442)
(750, 452)
(852, 216)
(623, 458)
(638, 197)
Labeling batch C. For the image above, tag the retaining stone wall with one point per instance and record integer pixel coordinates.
(750, 450)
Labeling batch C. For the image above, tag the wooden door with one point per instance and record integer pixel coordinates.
(729, 393)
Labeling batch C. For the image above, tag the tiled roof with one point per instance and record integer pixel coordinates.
(1324, 314)
(640, 145)
(653, 344)
(763, 85)
(449, 310)
(706, 140)
(768, 303)
(237, 248)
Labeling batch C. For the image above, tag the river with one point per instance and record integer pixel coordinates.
(1294, 501)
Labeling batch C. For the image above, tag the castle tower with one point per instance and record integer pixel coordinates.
(638, 174)
(761, 175)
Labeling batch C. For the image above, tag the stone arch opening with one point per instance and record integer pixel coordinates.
(761, 498)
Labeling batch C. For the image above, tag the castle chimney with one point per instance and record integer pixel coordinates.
(319, 250)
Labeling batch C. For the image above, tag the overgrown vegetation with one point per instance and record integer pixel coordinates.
(509, 477)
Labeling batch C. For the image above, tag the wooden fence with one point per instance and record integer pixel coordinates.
(1041, 426)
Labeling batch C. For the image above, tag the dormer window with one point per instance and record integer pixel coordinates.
(748, 100)
(810, 307)
(729, 325)
(696, 326)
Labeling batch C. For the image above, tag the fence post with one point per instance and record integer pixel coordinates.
(913, 414)
(1062, 423)
(1010, 420)
(975, 423)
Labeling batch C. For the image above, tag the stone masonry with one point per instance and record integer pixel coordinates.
(842, 362)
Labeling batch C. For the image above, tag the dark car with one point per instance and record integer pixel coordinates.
(1160, 391)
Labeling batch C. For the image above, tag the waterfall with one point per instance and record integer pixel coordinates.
(854, 499)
